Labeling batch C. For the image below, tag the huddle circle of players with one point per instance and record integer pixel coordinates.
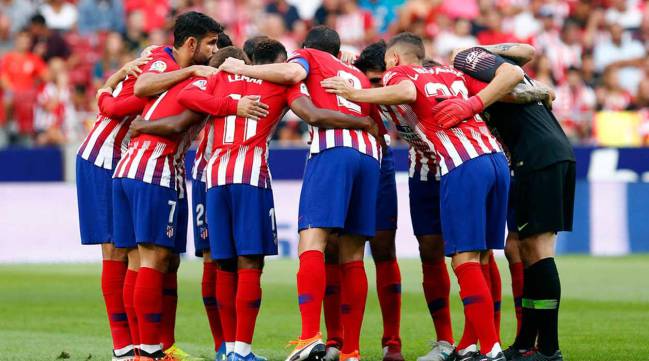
(132, 196)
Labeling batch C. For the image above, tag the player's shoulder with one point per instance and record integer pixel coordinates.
(161, 60)
(299, 53)
(398, 71)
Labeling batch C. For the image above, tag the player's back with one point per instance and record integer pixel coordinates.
(240, 145)
(323, 65)
(469, 139)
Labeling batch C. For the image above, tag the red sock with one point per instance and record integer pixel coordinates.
(437, 287)
(332, 306)
(478, 305)
(129, 308)
(388, 287)
(516, 270)
(169, 305)
(147, 299)
(208, 291)
(226, 293)
(248, 303)
(311, 285)
(353, 298)
(112, 287)
(496, 291)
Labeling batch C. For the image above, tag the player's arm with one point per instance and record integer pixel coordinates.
(167, 126)
(152, 83)
(524, 93)
(304, 108)
(116, 107)
(132, 68)
(519, 53)
(402, 92)
(280, 73)
(194, 98)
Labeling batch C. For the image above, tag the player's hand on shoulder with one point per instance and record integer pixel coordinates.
(338, 86)
(136, 126)
(250, 107)
(232, 65)
(347, 57)
(132, 68)
(203, 71)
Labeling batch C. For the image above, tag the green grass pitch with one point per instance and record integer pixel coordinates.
(49, 309)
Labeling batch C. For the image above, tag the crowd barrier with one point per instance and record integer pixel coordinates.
(38, 217)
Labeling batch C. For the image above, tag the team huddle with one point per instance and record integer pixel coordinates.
(472, 128)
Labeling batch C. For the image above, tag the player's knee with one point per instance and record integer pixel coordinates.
(227, 265)
(250, 262)
(459, 259)
(382, 246)
(112, 253)
(174, 263)
(431, 248)
(332, 252)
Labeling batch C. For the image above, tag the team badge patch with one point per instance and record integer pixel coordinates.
(200, 84)
(204, 235)
(170, 231)
(159, 66)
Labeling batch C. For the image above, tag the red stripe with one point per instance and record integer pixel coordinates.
(126, 165)
(368, 145)
(159, 168)
(94, 128)
(101, 139)
(354, 136)
(119, 139)
(172, 172)
(248, 165)
(144, 161)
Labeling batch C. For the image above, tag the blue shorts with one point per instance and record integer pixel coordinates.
(386, 203)
(95, 200)
(424, 206)
(242, 218)
(474, 204)
(339, 192)
(148, 214)
(511, 208)
(199, 201)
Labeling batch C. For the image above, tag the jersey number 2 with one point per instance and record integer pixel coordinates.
(356, 84)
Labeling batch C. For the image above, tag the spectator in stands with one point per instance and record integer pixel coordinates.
(113, 57)
(274, 28)
(20, 73)
(458, 37)
(542, 70)
(59, 14)
(563, 49)
(6, 38)
(493, 33)
(136, 37)
(325, 14)
(611, 96)
(620, 46)
(287, 12)
(154, 12)
(18, 12)
(47, 43)
(101, 15)
(625, 13)
(384, 13)
(575, 105)
(52, 104)
(588, 73)
(355, 25)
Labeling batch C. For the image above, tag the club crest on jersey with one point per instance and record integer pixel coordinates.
(473, 57)
(204, 233)
(159, 66)
(200, 84)
(170, 231)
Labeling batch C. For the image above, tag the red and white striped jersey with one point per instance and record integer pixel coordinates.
(320, 66)
(469, 139)
(107, 142)
(159, 160)
(203, 152)
(421, 156)
(239, 145)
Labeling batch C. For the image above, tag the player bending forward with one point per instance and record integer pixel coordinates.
(474, 172)
(346, 158)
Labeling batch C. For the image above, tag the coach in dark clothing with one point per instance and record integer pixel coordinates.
(543, 163)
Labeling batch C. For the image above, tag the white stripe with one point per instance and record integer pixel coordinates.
(315, 140)
(491, 139)
(153, 161)
(93, 138)
(425, 169)
(450, 149)
(256, 165)
(148, 114)
(239, 164)
(251, 128)
(210, 168)
(223, 167)
(609, 233)
(412, 159)
(373, 147)
(466, 144)
(165, 177)
(329, 138)
(478, 139)
(105, 156)
(362, 147)
(136, 162)
(347, 138)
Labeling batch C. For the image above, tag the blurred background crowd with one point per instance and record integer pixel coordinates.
(54, 54)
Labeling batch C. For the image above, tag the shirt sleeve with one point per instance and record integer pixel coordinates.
(394, 77)
(120, 106)
(198, 96)
(296, 91)
(159, 65)
(478, 63)
(300, 57)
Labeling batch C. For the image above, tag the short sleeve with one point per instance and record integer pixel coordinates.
(301, 57)
(296, 91)
(159, 64)
(478, 63)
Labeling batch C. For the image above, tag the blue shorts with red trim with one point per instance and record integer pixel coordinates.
(95, 202)
(199, 204)
(474, 204)
(424, 206)
(386, 202)
(339, 192)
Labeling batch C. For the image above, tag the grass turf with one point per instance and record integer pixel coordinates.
(46, 310)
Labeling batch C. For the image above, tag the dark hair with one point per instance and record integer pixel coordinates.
(412, 44)
(372, 58)
(228, 52)
(249, 45)
(323, 38)
(268, 51)
(194, 24)
(223, 40)
(430, 63)
(38, 19)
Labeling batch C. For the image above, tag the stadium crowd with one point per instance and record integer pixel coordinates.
(55, 53)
